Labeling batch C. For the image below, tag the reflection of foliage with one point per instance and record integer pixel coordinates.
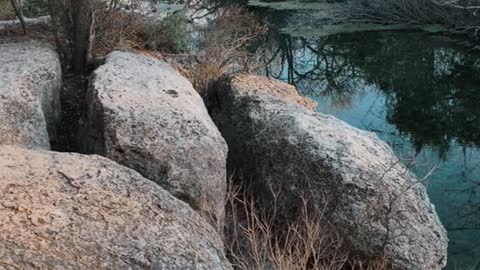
(431, 89)
(458, 16)
(468, 215)
(313, 65)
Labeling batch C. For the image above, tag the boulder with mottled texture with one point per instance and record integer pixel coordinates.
(146, 116)
(279, 145)
(70, 211)
(30, 82)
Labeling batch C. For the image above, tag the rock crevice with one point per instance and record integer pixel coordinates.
(144, 115)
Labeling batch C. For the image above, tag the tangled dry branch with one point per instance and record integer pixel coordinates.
(226, 45)
(255, 241)
(457, 16)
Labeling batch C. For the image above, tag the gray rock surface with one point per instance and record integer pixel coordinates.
(70, 211)
(146, 116)
(15, 23)
(30, 82)
(370, 196)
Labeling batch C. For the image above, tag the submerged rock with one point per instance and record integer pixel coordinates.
(146, 116)
(30, 81)
(368, 194)
(70, 211)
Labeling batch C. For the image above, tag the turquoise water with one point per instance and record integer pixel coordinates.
(420, 93)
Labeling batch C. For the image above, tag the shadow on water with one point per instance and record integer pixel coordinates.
(420, 93)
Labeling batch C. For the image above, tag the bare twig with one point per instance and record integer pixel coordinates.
(17, 7)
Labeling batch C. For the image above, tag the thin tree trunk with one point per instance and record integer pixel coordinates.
(60, 14)
(82, 28)
(19, 13)
(74, 28)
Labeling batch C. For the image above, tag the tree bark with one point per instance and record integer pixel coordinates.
(60, 14)
(82, 24)
(73, 23)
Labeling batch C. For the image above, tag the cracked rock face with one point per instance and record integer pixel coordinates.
(369, 195)
(146, 116)
(70, 211)
(30, 81)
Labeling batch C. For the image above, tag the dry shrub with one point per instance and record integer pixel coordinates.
(226, 46)
(255, 241)
(105, 25)
(116, 26)
(120, 26)
(6, 10)
(170, 35)
(31, 9)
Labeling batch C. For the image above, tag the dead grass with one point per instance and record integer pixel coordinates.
(120, 28)
(254, 241)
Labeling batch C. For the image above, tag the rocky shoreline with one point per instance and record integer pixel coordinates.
(155, 199)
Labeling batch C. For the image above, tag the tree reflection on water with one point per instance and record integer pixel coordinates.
(432, 90)
(429, 94)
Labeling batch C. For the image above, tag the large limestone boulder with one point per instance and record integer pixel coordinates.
(30, 81)
(370, 197)
(70, 211)
(146, 116)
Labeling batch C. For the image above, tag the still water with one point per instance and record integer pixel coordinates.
(417, 91)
